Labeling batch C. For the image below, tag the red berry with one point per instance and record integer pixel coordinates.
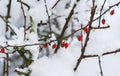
(45, 46)
(2, 50)
(79, 37)
(86, 29)
(103, 21)
(112, 12)
(54, 46)
(66, 45)
(63, 44)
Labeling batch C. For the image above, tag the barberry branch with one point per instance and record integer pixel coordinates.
(111, 52)
(110, 7)
(100, 66)
(65, 27)
(101, 12)
(103, 27)
(89, 56)
(24, 4)
(8, 13)
(9, 9)
(55, 4)
(4, 66)
(7, 64)
(48, 16)
(103, 54)
(7, 23)
(24, 18)
(87, 36)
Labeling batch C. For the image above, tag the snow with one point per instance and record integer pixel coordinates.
(59, 64)
(62, 63)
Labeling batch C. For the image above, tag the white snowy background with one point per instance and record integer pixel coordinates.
(62, 63)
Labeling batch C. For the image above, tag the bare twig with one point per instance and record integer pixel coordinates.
(9, 9)
(100, 66)
(90, 56)
(87, 36)
(8, 13)
(48, 16)
(110, 7)
(111, 52)
(7, 23)
(32, 44)
(104, 27)
(103, 54)
(65, 27)
(72, 33)
(7, 65)
(82, 37)
(24, 4)
(101, 12)
(55, 4)
(24, 18)
(4, 67)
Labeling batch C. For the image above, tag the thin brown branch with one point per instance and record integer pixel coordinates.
(103, 54)
(110, 7)
(101, 12)
(64, 28)
(24, 19)
(24, 45)
(104, 27)
(3, 19)
(55, 4)
(100, 66)
(28, 28)
(111, 52)
(82, 37)
(48, 16)
(4, 65)
(7, 23)
(7, 65)
(8, 13)
(90, 56)
(87, 36)
(72, 33)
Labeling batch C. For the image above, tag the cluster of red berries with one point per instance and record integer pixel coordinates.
(2, 50)
(45, 45)
(64, 44)
(80, 37)
(111, 13)
(53, 46)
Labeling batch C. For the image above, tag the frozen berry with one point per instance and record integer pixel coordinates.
(86, 29)
(63, 44)
(79, 37)
(103, 21)
(45, 46)
(112, 12)
(66, 45)
(2, 50)
(54, 46)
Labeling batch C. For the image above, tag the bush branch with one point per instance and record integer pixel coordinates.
(87, 36)
(65, 27)
(24, 18)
